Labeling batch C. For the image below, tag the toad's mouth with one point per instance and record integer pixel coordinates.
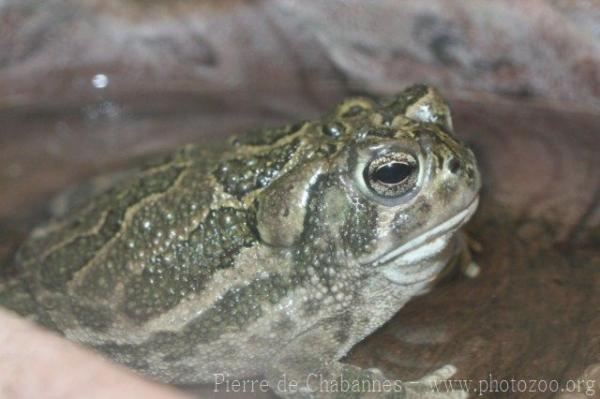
(430, 242)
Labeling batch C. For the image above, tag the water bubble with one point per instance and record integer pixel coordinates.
(100, 81)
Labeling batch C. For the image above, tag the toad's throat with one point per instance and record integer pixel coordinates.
(430, 242)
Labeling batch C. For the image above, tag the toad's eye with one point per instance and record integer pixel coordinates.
(391, 175)
(393, 172)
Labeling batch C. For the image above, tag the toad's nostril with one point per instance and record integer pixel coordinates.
(453, 165)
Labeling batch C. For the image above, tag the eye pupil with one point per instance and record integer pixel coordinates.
(393, 172)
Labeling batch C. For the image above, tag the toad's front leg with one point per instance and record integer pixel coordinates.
(462, 260)
(308, 368)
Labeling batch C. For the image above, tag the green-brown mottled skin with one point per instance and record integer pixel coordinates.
(273, 256)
